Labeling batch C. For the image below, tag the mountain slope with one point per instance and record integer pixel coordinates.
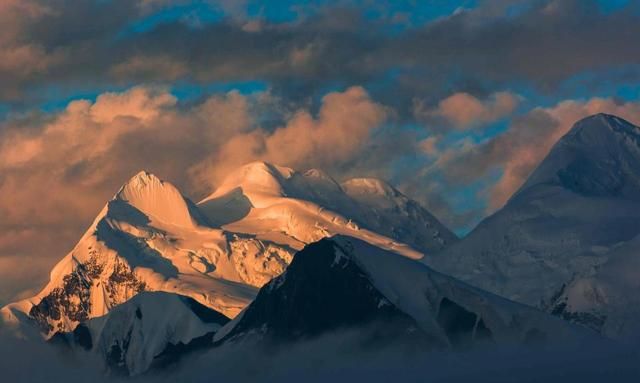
(134, 334)
(606, 300)
(311, 205)
(343, 282)
(582, 201)
(386, 210)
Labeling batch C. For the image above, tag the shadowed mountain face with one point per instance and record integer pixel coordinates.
(581, 203)
(321, 291)
(599, 157)
(344, 283)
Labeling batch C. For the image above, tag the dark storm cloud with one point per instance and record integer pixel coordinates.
(549, 42)
(544, 43)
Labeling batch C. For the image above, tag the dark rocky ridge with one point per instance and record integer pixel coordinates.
(325, 290)
(319, 292)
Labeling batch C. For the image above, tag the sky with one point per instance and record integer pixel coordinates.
(454, 102)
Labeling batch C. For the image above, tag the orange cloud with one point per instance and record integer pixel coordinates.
(429, 146)
(464, 111)
(140, 103)
(339, 132)
(19, 57)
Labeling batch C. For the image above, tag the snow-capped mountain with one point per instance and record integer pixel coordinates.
(575, 209)
(149, 237)
(343, 282)
(143, 330)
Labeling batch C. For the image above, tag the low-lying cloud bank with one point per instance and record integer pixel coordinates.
(343, 357)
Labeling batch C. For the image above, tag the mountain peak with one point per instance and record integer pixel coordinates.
(589, 127)
(140, 180)
(255, 177)
(145, 177)
(602, 117)
(143, 180)
(156, 198)
(578, 205)
(144, 331)
(599, 156)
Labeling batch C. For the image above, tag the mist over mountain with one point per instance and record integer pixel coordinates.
(343, 355)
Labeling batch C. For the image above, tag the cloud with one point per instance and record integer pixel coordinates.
(347, 355)
(149, 67)
(429, 145)
(464, 111)
(542, 44)
(342, 128)
(138, 103)
(20, 58)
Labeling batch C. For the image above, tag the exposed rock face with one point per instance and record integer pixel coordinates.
(72, 301)
(587, 319)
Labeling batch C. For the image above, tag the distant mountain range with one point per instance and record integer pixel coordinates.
(275, 255)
